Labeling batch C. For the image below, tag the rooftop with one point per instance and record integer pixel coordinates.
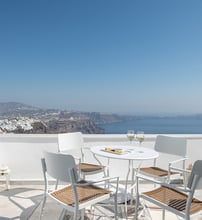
(22, 153)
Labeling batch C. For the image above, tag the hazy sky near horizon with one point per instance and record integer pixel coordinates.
(122, 56)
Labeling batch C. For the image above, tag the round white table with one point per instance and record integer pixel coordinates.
(128, 152)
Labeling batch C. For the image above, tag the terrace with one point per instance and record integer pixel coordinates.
(22, 153)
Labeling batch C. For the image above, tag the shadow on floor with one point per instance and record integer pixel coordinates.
(22, 202)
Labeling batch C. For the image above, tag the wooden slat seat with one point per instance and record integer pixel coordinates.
(174, 199)
(180, 201)
(156, 171)
(86, 167)
(85, 193)
(174, 147)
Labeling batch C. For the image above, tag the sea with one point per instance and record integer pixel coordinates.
(156, 126)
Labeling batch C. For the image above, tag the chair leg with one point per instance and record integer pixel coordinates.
(42, 207)
(76, 214)
(82, 214)
(136, 206)
(147, 214)
(115, 207)
(163, 214)
(56, 184)
(62, 215)
(92, 210)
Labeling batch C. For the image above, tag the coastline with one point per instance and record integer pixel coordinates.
(157, 125)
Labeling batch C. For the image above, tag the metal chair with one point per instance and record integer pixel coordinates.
(173, 198)
(74, 141)
(173, 146)
(78, 194)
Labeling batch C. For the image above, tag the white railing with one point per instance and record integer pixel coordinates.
(22, 152)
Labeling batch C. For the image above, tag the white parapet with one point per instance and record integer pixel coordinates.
(22, 152)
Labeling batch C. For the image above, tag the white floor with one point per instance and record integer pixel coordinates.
(19, 201)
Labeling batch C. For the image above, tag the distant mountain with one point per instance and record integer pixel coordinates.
(7, 107)
(54, 120)
(15, 109)
(21, 118)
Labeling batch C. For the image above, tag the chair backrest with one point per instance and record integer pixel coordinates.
(171, 145)
(70, 141)
(58, 165)
(196, 173)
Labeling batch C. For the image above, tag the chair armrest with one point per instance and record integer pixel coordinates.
(178, 160)
(180, 169)
(168, 185)
(97, 181)
(171, 167)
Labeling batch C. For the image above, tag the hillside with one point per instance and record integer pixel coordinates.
(14, 116)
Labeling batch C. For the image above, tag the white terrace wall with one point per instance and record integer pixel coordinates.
(22, 153)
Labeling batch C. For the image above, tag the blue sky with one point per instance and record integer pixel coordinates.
(122, 56)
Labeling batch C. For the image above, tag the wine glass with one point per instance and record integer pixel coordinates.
(140, 136)
(130, 135)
